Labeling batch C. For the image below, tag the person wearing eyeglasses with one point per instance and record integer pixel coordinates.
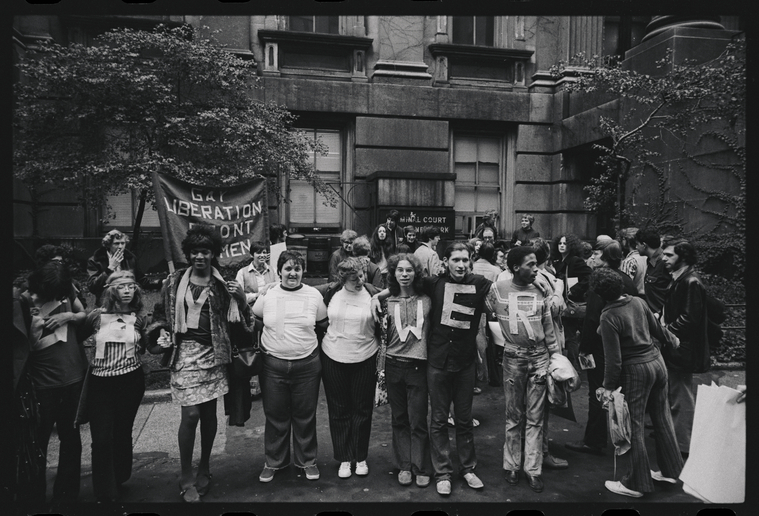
(116, 337)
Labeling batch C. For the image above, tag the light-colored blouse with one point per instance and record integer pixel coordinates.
(290, 317)
(350, 337)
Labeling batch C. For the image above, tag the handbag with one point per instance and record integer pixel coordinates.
(247, 361)
(380, 390)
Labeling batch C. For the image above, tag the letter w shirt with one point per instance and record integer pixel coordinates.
(456, 311)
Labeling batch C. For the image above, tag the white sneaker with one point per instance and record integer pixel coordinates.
(345, 470)
(362, 469)
(473, 481)
(656, 475)
(618, 488)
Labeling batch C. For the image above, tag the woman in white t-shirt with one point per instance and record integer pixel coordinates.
(349, 357)
(292, 313)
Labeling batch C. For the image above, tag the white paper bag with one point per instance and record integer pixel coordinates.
(716, 467)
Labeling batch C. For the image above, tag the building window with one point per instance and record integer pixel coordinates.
(320, 24)
(474, 30)
(124, 208)
(621, 33)
(306, 207)
(478, 165)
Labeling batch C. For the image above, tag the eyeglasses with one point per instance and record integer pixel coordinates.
(126, 286)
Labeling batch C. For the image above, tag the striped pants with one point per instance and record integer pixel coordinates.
(349, 389)
(646, 384)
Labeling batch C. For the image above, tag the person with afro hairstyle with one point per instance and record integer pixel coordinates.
(192, 323)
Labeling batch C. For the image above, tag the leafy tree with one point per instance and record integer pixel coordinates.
(688, 105)
(98, 120)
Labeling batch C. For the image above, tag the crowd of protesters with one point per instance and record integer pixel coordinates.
(631, 312)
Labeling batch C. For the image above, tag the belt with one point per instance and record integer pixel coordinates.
(404, 359)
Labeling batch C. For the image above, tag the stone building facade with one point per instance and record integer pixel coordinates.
(440, 117)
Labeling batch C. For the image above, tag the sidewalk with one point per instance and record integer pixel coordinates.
(237, 460)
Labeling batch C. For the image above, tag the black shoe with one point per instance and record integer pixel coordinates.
(580, 446)
(536, 483)
(512, 477)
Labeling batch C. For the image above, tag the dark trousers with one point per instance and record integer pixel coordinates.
(113, 402)
(682, 401)
(58, 408)
(444, 387)
(349, 389)
(596, 429)
(646, 384)
(407, 395)
(290, 391)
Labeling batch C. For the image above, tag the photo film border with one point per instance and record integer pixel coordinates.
(447, 506)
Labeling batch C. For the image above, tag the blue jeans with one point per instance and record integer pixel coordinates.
(290, 391)
(524, 387)
(407, 395)
(444, 387)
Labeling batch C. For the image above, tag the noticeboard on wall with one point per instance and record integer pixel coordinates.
(443, 219)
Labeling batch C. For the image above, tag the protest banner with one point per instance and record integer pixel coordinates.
(239, 212)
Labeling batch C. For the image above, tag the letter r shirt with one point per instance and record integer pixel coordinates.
(456, 311)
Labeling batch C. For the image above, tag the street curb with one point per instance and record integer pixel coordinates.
(729, 366)
(157, 396)
(164, 395)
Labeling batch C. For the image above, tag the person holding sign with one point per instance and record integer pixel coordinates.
(192, 323)
(57, 368)
(117, 382)
(291, 313)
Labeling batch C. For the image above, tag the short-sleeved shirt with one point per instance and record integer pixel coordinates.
(116, 359)
(457, 308)
(289, 319)
(350, 337)
(403, 321)
(62, 363)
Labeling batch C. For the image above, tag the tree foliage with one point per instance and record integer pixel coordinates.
(98, 120)
(691, 104)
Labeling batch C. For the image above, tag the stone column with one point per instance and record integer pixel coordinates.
(659, 24)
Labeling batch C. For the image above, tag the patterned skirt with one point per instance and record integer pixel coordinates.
(194, 378)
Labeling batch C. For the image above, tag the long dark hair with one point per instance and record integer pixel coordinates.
(51, 281)
(392, 264)
(574, 246)
(378, 247)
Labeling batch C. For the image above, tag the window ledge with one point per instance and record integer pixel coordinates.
(481, 52)
(310, 38)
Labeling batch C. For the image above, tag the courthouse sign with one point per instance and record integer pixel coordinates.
(442, 219)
